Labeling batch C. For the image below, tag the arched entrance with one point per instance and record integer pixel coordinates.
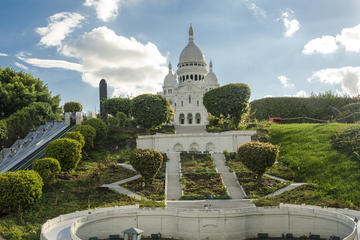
(178, 147)
(210, 147)
(198, 118)
(194, 147)
(181, 118)
(190, 118)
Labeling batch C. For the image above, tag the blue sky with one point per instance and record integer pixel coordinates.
(277, 47)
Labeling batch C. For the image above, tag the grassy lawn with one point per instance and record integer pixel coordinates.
(200, 179)
(248, 181)
(306, 155)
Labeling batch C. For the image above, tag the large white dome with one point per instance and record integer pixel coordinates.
(191, 53)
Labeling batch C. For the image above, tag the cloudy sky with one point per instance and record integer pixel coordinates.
(277, 47)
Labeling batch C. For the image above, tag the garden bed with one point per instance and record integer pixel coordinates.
(248, 180)
(200, 179)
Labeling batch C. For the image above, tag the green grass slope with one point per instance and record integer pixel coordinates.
(306, 155)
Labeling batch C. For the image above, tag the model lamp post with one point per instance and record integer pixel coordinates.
(132, 234)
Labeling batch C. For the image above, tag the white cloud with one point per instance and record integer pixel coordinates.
(268, 96)
(3, 54)
(324, 45)
(300, 93)
(19, 65)
(105, 9)
(347, 77)
(256, 10)
(60, 25)
(48, 63)
(291, 24)
(350, 39)
(129, 66)
(285, 82)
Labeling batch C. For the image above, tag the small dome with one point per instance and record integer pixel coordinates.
(210, 78)
(170, 79)
(191, 53)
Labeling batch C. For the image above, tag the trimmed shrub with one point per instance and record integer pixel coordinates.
(115, 105)
(121, 117)
(147, 163)
(19, 190)
(72, 107)
(89, 134)
(100, 127)
(47, 168)
(257, 156)
(113, 121)
(317, 107)
(76, 136)
(67, 151)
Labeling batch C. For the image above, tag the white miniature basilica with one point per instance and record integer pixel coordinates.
(185, 89)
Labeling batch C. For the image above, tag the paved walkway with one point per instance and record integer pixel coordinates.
(117, 188)
(229, 178)
(287, 188)
(211, 204)
(173, 177)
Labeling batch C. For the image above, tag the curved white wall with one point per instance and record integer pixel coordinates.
(216, 224)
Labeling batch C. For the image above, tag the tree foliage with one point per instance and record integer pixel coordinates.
(3, 133)
(28, 118)
(89, 134)
(19, 90)
(19, 190)
(147, 163)
(230, 101)
(257, 156)
(151, 111)
(72, 107)
(76, 136)
(67, 151)
(115, 105)
(122, 118)
(100, 127)
(47, 168)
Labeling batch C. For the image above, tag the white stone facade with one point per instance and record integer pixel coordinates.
(185, 89)
(212, 142)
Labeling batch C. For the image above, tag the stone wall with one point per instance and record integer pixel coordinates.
(212, 142)
(214, 224)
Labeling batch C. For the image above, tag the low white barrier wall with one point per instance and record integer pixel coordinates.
(212, 142)
(190, 224)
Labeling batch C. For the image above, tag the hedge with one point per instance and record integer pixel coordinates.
(72, 107)
(147, 163)
(89, 134)
(67, 151)
(293, 107)
(76, 136)
(47, 168)
(19, 190)
(100, 127)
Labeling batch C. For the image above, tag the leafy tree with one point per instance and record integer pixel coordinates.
(257, 156)
(230, 101)
(19, 89)
(3, 133)
(115, 105)
(72, 107)
(89, 134)
(121, 119)
(76, 136)
(100, 127)
(19, 190)
(151, 111)
(147, 163)
(113, 121)
(47, 168)
(67, 151)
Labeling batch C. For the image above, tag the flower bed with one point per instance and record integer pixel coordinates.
(197, 162)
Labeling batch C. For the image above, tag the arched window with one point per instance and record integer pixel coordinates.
(189, 118)
(191, 77)
(182, 118)
(183, 77)
(189, 99)
(198, 118)
(182, 103)
(196, 77)
(164, 91)
(187, 76)
(197, 103)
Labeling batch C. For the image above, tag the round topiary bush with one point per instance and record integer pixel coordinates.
(47, 168)
(67, 151)
(257, 156)
(89, 134)
(19, 190)
(76, 136)
(100, 127)
(72, 107)
(147, 163)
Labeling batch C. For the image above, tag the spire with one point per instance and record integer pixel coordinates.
(170, 67)
(191, 34)
(211, 66)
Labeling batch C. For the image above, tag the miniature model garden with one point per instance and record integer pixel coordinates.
(102, 151)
